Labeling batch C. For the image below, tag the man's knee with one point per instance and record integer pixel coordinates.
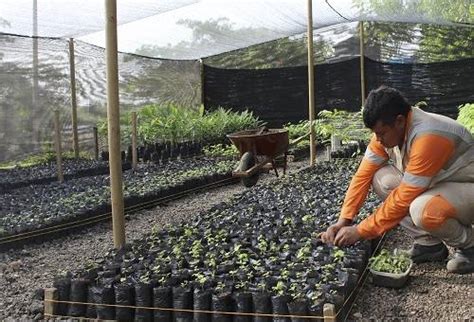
(385, 180)
(430, 212)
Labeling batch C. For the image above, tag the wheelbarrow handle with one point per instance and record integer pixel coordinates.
(301, 138)
(262, 129)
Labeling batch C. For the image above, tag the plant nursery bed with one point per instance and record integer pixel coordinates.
(37, 207)
(45, 173)
(257, 253)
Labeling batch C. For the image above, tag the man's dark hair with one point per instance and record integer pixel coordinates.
(384, 104)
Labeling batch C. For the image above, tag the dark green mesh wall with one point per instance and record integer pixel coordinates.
(281, 95)
(427, 62)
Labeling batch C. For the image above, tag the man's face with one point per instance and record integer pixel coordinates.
(390, 135)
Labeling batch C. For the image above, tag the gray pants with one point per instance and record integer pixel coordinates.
(453, 200)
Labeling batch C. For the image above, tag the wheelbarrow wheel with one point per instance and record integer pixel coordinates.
(246, 162)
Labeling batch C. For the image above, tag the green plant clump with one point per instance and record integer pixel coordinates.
(173, 123)
(390, 263)
(220, 150)
(466, 116)
(348, 126)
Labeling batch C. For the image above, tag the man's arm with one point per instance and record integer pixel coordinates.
(428, 154)
(374, 158)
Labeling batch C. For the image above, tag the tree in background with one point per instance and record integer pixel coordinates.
(18, 135)
(288, 51)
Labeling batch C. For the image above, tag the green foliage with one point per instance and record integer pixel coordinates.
(289, 51)
(466, 116)
(297, 130)
(220, 150)
(42, 158)
(390, 263)
(436, 43)
(346, 125)
(174, 123)
(338, 254)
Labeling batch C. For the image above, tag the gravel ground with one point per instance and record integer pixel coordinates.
(431, 294)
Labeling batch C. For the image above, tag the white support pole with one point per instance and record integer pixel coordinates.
(72, 75)
(311, 101)
(362, 66)
(113, 116)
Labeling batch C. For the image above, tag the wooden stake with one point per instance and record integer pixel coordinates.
(50, 308)
(113, 116)
(72, 76)
(134, 140)
(203, 82)
(57, 145)
(311, 100)
(362, 66)
(96, 143)
(329, 312)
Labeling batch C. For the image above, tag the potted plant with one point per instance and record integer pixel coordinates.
(390, 270)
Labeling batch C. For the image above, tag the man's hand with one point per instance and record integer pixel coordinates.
(330, 234)
(347, 236)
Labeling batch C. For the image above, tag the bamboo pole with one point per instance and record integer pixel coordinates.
(35, 110)
(72, 75)
(203, 81)
(134, 140)
(311, 100)
(50, 308)
(362, 62)
(113, 115)
(329, 312)
(57, 145)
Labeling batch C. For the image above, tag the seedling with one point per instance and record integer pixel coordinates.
(279, 288)
(338, 254)
(395, 263)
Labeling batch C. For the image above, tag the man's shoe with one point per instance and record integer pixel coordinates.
(462, 262)
(422, 254)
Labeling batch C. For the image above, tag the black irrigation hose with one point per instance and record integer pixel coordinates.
(8, 241)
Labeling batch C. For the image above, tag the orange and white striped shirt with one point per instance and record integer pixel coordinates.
(435, 147)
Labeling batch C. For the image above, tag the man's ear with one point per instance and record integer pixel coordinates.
(400, 121)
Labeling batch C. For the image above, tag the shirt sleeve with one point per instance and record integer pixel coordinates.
(428, 154)
(374, 158)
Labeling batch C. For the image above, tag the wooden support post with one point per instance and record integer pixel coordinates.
(311, 100)
(203, 82)
(113, 118)
(50, 308)
(329, 312)
(57, 145)
(134, 140)
(362, 66)
(96, 143)
(72, 77)
(35, 121)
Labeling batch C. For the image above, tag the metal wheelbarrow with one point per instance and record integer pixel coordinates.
(258, 149)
